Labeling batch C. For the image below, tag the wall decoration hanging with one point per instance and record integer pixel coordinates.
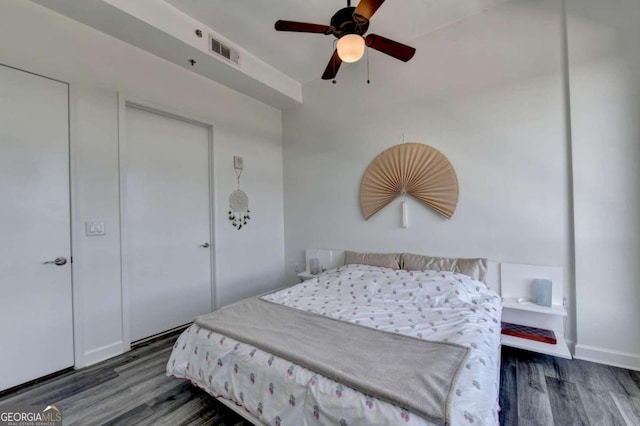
(238, 200)
(412, 169)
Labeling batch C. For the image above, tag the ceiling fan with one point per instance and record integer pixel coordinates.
(349, 25)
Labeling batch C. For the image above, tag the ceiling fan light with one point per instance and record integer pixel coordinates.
(351, 48)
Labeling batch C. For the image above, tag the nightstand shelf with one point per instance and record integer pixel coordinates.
(518, 292)
(560, 349)
(528, 313)
(512, 303)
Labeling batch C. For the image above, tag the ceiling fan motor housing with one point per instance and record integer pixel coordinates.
(344, 23)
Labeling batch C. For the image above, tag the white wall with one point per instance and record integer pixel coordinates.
(604, 65)
(98, 67)
(488, 93)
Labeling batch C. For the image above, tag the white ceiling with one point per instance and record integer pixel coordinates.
(303, 57)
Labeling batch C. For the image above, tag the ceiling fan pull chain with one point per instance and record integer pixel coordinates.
(333, 61)
(368, 80)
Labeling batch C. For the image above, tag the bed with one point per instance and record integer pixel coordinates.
(433, 305)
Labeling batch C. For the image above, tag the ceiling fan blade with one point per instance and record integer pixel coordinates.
(366, 8)
(302, 27)
(332, 68)
(390, 47)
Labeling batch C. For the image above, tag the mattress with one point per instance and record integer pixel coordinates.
(438, 306)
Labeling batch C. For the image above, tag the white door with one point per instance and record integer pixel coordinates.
(167, 232)
(36, 334)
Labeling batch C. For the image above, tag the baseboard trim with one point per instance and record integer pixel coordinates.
(608, 356)
(147, 340)
(97, 355)
(16, 389)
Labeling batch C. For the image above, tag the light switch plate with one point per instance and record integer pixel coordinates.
(94, 228)
(238, 162)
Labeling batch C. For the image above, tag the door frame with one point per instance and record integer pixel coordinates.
(125, 101)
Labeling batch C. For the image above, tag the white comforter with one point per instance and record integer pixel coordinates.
(440, 306)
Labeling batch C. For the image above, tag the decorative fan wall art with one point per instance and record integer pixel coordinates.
(415, 169)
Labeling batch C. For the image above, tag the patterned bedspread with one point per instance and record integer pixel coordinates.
(440, 306)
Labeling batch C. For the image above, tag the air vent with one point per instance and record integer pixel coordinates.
(218, 48)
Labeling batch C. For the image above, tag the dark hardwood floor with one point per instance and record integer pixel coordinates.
(133, 389)
(543, 390)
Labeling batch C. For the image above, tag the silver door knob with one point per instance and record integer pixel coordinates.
(57, 261)
(204, 245)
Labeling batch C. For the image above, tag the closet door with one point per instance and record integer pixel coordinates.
(36, 331)
(167, 223)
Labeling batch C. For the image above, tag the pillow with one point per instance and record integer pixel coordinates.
(475, 268)
(416, 262)
(385, 260)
